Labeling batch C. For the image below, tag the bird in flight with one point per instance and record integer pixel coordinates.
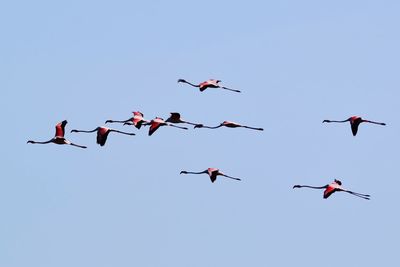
(102, 134)
(137, 120)
(211, 83)
(158, 122)
(176, 118)
(335, 186)
(355, 121)
(228, 124)
(59, 137)
(213, 173)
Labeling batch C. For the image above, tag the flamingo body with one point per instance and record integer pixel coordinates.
(102, 134)
(212, 173)
(137, 120)
(175, 117)
(210, 83)
(158, 122)
(228, 124)
(335, 186)
(59, 138)
(355, 122)
(332, 188)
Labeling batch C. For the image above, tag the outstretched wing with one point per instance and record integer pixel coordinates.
(329, 191)
(60, 128)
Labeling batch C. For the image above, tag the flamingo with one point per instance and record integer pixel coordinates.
(213, 173)
(355, 121)
(158, 122)
(211, 83)
(229, 124)
(176, 118)
(137, 120)
(59, 137)
(102, 134)
(335, 186)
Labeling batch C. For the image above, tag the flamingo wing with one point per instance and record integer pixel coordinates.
(175, 116)
(60, 128)
(102, 135)
(354, 127)
(213, 176)
(213, 172)
(154, 125)
(329, 191)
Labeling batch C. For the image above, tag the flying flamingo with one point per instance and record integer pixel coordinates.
(158, 122)
(59, 137)
(102, 134)
(228, 124)
(213, 173)
(355, 121)
(335, 186)
(137, 120)
(211, 83)
(176, 118)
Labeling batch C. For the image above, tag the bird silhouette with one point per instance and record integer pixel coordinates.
(211, 83)
(176, 118)
(137, 120)
(335, 186)
(213, 173)
(102, 134)
(158, 122)
(59, 137)
(228, 124)
(355, 121)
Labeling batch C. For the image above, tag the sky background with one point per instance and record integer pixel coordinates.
(125, 204)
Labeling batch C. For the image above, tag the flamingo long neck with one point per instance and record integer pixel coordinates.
(209, 127)
(313, 187)
(337, 121)
(84, 131)
(112, 121)
(197, 172)
(40, 142)
(194, 85)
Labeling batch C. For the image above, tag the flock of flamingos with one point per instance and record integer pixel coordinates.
(138, 121)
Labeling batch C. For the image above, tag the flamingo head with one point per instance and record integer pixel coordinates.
(183, 172)
(181, 81)
(338, 182)
(296, 186)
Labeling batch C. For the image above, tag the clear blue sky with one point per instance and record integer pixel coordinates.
(125, 204)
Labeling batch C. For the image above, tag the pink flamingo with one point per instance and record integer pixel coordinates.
(158, 122)
(59, 137)
(355, 121)
(335, 186)
(102, 134)
(228, 124)
(213, 173)
(211, 83)
(137, 120)
(176, 118)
